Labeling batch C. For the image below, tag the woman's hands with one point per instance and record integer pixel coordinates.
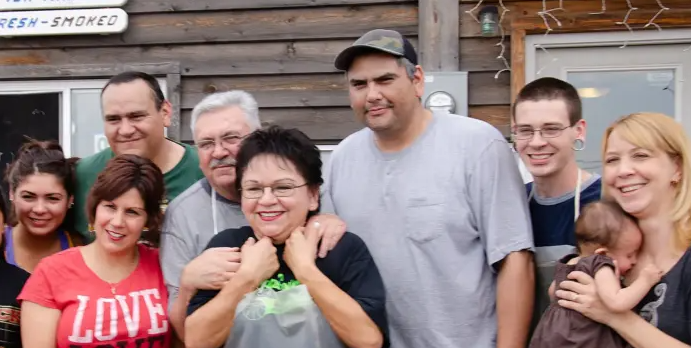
(259, 260)
(580, 295)
(300, 252)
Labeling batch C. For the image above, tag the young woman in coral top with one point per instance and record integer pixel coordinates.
(109, 293)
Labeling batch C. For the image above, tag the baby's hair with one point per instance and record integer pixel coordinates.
(600, 223)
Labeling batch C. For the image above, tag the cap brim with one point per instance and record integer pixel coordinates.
(346, 57)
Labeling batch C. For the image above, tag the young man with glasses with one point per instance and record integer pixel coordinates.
(548, 130)
(219, 124)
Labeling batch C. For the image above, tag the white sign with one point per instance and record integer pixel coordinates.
(13, 5)
(63, 22)
(100, 143)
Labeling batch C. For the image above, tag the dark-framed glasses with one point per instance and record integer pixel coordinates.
(525, 133)
(225, 141)
(278, 190)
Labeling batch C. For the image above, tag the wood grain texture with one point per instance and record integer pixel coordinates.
(582, 21)
(154, 6)
(52, 71)
(241, 26)
(173, 85)
(480, 54)
(321, 90)
(518, 59)
(438, 34)
(331, 124)
(476, 54)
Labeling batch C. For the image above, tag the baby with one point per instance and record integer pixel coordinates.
(607, 240)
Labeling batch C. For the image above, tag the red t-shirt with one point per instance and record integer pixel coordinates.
(92, 316)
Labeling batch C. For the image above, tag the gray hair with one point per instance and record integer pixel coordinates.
(222, 100)
(408, 65)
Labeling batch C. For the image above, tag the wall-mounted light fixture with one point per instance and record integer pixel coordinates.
(489, 20)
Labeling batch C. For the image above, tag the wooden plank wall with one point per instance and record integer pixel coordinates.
(280, 50)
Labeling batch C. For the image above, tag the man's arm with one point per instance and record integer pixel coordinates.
(497, 195)
(176, 252)
(515, 297)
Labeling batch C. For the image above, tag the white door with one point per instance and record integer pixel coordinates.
(614, 81)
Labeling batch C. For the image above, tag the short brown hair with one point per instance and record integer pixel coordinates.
(125, 172)
(550, 88)
(600, 223)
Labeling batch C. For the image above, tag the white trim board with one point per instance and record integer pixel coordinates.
(598, 39)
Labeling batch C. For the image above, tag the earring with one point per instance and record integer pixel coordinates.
(578, 145)
(145, 229)
(90, 228)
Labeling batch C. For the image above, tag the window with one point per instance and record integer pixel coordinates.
(326, 154)
(80, 121)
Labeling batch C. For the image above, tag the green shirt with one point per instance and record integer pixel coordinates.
(177, 180)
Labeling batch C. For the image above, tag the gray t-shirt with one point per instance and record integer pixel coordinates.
(436, 216)
(189, 225)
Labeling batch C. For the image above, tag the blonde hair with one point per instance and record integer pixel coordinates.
(661, 133)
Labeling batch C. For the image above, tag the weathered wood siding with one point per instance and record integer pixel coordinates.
(280, 50)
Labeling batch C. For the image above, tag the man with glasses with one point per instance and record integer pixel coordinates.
(548, 130)
(219, 123)
(135, 114)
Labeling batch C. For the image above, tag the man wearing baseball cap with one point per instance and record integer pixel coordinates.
(439, 201)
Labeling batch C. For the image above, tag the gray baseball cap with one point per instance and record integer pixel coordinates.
(387, 41)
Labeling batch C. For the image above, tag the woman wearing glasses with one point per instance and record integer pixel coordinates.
(280, 295)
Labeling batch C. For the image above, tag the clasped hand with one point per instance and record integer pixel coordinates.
(260, 262)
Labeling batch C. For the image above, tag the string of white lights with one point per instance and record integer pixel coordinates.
(507, 67)
(548, 13)
(544, 14)
(663, 8)
(471, 12)
(625, 22)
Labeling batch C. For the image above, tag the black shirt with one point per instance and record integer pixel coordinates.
(668, 304)
(11, 284)
(349, 266)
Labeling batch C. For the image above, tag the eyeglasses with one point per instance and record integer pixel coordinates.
(279, 190)
(525, 133)
(226, 141)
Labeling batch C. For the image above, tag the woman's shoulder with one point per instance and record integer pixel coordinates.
(231, 238)
(69, 258)
(350, 245)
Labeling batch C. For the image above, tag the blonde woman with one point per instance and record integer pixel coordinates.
(647, 170)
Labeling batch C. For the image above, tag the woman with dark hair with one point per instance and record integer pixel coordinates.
(109, 293)
(302, 301)
(41, 184)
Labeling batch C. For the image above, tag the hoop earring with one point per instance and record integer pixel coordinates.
(578, 145)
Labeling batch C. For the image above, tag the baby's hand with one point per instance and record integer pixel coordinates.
(652, 274)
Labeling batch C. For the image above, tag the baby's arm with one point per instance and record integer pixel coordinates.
(620, 300)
